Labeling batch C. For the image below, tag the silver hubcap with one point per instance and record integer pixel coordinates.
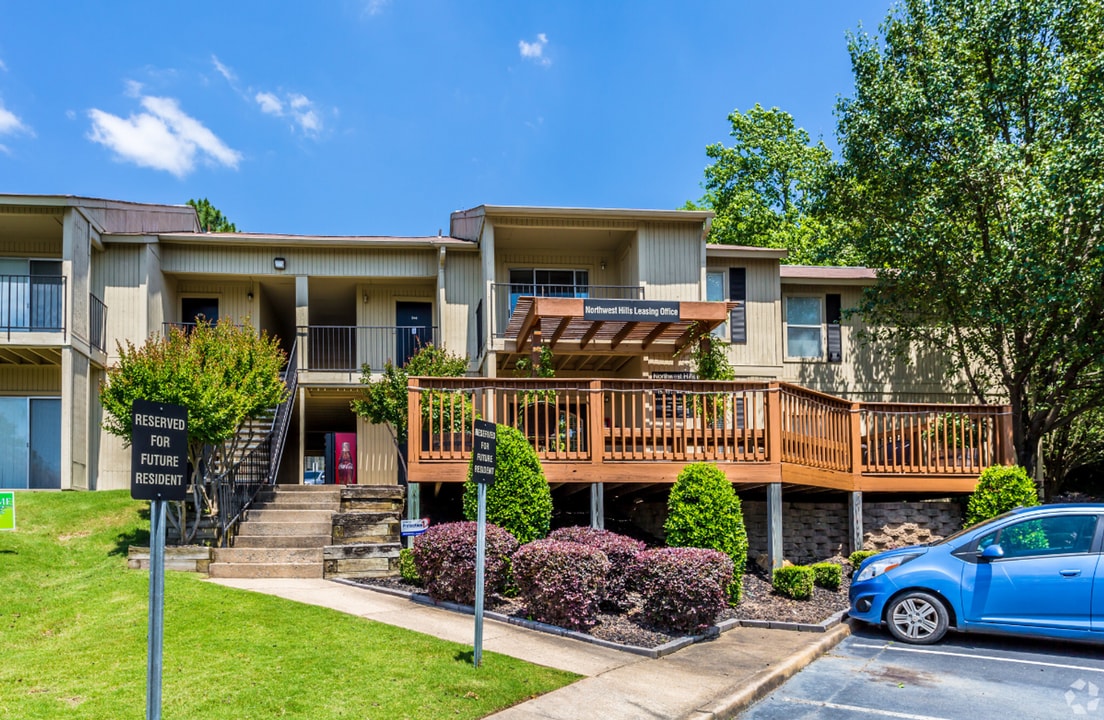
(916, 619)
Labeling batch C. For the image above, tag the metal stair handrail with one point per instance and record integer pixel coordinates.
(282, 419)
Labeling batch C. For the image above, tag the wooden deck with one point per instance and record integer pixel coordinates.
(645, 431)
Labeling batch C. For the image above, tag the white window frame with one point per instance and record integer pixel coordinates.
(721, 331)
(786, 325)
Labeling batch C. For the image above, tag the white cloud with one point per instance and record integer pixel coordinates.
(296, 106)
(223, 70)
(270, 104)
(535, 50)
(10, 122)
(3, 66)
(163, 138)
(375, 7)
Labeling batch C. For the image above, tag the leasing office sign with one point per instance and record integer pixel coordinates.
(631, 310)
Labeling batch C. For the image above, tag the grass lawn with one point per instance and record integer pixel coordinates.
(73, 623)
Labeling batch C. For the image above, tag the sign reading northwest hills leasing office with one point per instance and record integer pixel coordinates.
(159, 451)
(631, 310)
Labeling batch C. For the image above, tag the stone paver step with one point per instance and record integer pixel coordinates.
(266, 570)
(268, 555)
(285, 528)
(282, 541)
(281, 514)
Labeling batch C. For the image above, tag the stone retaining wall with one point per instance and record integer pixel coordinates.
(816, 531)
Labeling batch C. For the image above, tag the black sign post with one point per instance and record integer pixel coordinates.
(159, 473)
(483, 472)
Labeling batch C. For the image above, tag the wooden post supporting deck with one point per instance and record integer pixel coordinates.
(854, 520)
(774, 525)
(597, 506)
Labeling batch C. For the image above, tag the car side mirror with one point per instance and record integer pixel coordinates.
(993, 552)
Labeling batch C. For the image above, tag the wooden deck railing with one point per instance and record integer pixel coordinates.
(640, 430)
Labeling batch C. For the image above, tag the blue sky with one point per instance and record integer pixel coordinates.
(381, 117)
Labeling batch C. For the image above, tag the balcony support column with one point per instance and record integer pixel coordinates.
(774, 525)
(598, 506)
(855, 520)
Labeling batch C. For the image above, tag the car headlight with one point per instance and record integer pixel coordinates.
(878, 567)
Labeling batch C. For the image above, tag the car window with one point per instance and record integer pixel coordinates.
(1057, 535)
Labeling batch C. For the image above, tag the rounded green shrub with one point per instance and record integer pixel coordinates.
(520, 500)
(703, 511)
(1000, 489)
(856, 558)
(827, 575)
(795, 581)
(408, 571)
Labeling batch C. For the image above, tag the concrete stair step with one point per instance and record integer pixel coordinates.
(282, 541)
(281, 514)
(284, 528)
(266, 570)
(319, 489)
(295, 503)
(268, 555)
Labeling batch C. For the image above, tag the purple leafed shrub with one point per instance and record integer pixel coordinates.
(561, 583)
(620, 550)
(445, 556)
(683, 589)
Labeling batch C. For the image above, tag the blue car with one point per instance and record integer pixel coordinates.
(1032, 571)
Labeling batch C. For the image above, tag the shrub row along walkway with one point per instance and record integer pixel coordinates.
(713, 679)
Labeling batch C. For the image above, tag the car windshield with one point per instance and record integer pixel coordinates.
(954, 536)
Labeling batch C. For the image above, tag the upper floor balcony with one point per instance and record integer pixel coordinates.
(34, 312)
(348, 348)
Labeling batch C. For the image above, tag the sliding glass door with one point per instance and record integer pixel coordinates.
(30, 443)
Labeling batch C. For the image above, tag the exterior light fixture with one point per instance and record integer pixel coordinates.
(249, 296)
(279, 263)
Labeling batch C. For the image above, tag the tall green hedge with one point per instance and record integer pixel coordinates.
(520, 500)
(703, 511)
(1000, 489)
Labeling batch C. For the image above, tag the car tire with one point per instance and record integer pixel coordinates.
(918, 618)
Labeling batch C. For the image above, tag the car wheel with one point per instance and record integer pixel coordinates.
(917, 617)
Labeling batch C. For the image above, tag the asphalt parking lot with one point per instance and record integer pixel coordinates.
(869, 675)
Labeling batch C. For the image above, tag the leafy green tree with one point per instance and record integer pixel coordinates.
(210, 218)
(385, 400)
(224, 375)
(974, 155)
(769, 189)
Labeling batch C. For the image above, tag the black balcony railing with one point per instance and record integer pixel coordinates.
(347, 348)
(32, 303)
(504, 296)
(97, 322)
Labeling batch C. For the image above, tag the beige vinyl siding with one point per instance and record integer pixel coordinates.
(868, 372)
(762, 354)
(76, 266)
(456, 313)
(379, 312)
(30, 380)
(233, 297)
(118, 273)
(78, 422)
(315, 262)
(376, 457)
(670, 261)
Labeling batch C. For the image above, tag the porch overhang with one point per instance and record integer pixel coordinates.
(578, 326)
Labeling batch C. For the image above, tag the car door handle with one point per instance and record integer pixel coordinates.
(1069, 573)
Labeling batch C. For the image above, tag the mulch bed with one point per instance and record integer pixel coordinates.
(759, 602)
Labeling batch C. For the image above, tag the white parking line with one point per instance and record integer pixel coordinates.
(864, 710)
(924, 651)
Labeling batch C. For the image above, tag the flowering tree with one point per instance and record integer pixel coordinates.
(223, 374)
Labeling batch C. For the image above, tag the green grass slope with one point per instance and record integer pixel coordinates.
(73, 622)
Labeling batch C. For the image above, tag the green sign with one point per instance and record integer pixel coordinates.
(7, 511)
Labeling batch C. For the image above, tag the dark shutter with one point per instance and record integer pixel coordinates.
(737, 293)
(833, 316)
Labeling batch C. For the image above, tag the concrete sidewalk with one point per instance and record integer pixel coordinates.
(718, 678)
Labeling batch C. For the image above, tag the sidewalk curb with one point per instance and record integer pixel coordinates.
(766, 681)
